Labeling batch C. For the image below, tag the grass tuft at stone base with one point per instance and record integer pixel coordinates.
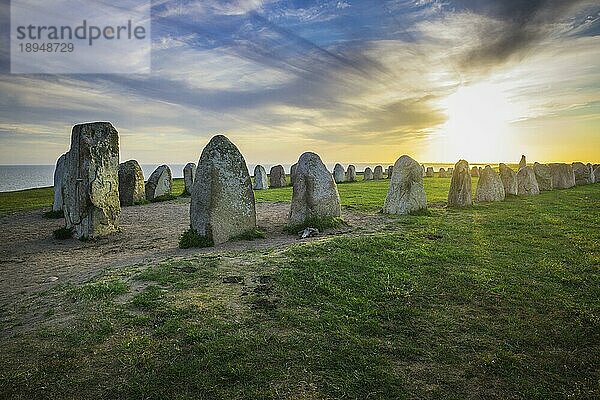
(190, 238)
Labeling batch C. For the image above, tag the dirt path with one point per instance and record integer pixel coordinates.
(31, 260)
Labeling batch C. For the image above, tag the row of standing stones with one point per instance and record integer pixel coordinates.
(91, 185)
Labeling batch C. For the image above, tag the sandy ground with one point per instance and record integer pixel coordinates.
(31, 260)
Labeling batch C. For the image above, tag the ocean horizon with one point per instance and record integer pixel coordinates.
(22, 177)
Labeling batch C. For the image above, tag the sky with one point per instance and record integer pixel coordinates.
(354, 81)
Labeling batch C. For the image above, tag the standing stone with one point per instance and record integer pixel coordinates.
(460, 193)
(378, 173)
(523, 162)
(315, 193)
(293, 173)
(277, 177)
(449, 172)
(583, 175)
(160, 183)
(58, 180)
(442, 173)
(474, 172)
(596, 173)
(260, 178)
(526, 183)
(429, 172)
(91, 181)
(351, 173)
(390, 171)
(406, 193)
(423, 168)
(222, 204)
(368, 174)
(489, 186)
(563, 176)
(131, 183)
(509, 179)
(189, 174)
(339, 175)
(543, 176)
(592, 175)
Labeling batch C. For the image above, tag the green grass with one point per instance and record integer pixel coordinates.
(495, 301)
(320, 223)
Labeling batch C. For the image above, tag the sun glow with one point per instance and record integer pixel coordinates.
(478, 128)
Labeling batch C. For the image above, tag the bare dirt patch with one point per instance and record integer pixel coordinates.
(31, 260)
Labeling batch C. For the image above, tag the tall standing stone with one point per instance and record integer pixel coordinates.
(509, 179)
(543, 176)
(315, 193)
(523, 162)
(368, 174)
(277, 177)
(526, 183)
(91, 181)
(131, 183)
(596, 173)
(583, 174)
(378, 173)
(423, 169)
(442, 173)
(351, 173)
(474, 172)
(260, 178)
(449, 172)
(160, 183)
(189, 174)
(489, 186)
(460, 193)
(339, 175)
(406, 193)
(563, 176)
(429, 172)
(222, 204)
(293, 173)
(58, 183)
(390, 171)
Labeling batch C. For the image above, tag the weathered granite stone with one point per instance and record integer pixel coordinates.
(315, 193)
(339, 175)
(390, 171)
(583, 175)
(442, 173)
(596, 173)
(189, 174)
(563, 176)
(91, 181)
(489, 186)
(160, 183)
(526, 183)
(293, 173)
(523, 162)
(429, 172)
(406, 193)
(423, 170)
(543, 176)
(368, 174)
(222, 204)
(277, 177)
(509, 179)
(475, 172)
(592, 174)
(378, 173)
(351, 173)
(460, 193)
(260, 178)
(449, 172)
(58, 180)
(132, 188)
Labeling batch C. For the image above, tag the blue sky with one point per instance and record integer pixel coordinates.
(355, 81)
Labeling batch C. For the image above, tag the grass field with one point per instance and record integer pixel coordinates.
(494, 301)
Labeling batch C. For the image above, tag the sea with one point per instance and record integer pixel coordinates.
(20, 177)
